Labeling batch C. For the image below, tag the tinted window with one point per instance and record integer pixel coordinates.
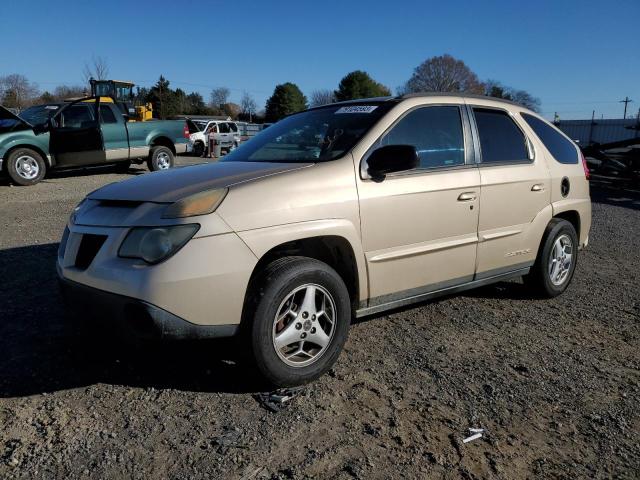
(233, 127)
(500, 138)
(77, 116)
(224, 127)
(436, 132)
(562, 149)
(106, 115)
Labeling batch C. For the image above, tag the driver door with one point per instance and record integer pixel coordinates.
(420, 228)
(75, 136)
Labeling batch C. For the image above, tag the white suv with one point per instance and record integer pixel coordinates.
(228, 135)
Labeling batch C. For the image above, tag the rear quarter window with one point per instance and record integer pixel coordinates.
(562, 149)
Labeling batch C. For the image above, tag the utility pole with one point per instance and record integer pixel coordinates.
(626, 101)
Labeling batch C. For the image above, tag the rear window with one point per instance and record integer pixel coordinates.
(562, 149)
(501, 140)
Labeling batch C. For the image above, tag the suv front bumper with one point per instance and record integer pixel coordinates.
(198, 292)
(100, 310)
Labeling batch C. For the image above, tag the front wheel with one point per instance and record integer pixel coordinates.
(556, 262)
(160, 158)
(300, 320)
(25, 166)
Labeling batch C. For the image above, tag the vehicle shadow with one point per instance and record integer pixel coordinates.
(41, 353)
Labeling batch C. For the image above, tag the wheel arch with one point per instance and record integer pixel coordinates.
(162, 141)
(333, 250)
(48, 161)
(571, 216)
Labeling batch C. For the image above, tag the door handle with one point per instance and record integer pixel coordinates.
(538, 187)
(467, 197)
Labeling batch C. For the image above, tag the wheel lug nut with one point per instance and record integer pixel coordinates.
(313, 330)
(304, 335)
(298, 326)
(313, 317)
(305, 314)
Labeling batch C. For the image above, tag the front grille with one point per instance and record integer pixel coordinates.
(88, 249)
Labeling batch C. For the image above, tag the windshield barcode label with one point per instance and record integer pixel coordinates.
(357, 109)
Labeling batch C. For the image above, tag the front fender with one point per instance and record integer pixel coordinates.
(261, 240)
(26, 139)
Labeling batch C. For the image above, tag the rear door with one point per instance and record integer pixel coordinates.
(75, 137)
(515, 194)
(114, 133)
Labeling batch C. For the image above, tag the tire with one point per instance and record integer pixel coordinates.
(284, 286)
(198, 149)
(122, 167)
(160, 158)
(560, 238)
(25, 166)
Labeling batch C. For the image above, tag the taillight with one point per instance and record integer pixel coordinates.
(584, 166)
(185, 132)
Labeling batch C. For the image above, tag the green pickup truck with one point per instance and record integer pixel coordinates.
(89, 131)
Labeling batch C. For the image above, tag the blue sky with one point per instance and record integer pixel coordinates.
(574, 55)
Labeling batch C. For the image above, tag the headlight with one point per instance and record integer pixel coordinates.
(155, 244)
(199, 204)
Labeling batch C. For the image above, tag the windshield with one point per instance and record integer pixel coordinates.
(316, 135)
(39, 114)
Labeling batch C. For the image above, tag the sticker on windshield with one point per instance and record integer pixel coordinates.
(51, 107)
(357, 109)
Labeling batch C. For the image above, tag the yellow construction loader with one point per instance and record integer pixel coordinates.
(121, 93)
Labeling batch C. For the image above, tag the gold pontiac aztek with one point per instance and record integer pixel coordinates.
(336, 212)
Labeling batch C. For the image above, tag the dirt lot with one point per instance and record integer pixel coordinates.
(556, 383)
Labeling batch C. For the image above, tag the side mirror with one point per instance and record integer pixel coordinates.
(391, 159)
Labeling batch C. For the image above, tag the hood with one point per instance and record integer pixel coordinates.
(11, 119)
(172, 185)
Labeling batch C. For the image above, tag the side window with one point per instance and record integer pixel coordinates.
(233, 127)
(77, 116)
(562, 149)
(106, 115)
(436, 132)
(224, 127)
(501, 140)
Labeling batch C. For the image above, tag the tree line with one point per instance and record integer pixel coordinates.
(442, 73)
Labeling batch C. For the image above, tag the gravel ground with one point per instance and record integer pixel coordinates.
(555, 383)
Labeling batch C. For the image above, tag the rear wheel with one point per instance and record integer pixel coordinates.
(25, 166)
(300, 320)
(556, 262)
(160, 158)
(198, 149)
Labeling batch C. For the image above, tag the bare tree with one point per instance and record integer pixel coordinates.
(322, 97)
(248, 105)
(98, 69)
(16, 91)
(219, 97)
(443, 74)
(493, 88)
(66, 92)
